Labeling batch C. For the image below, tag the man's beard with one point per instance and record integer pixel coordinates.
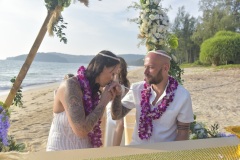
(155, 80)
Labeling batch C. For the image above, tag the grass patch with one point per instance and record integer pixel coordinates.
(229, 66)
(189, 65)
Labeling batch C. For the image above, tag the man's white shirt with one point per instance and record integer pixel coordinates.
(164, 128)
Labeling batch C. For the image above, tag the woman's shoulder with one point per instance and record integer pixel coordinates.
(69, 81)
(69, 84)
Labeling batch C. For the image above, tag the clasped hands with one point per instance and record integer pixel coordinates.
(114, 88)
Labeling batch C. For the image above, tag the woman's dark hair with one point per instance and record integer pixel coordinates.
(123, 73)
(97, 65)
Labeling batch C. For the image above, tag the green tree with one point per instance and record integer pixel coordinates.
(217, 15)
(51, 23)
(183, 27)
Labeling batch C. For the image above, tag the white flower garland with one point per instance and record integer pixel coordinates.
(153, 22)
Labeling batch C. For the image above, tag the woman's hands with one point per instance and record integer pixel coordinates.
(115, 88)
(110, 91)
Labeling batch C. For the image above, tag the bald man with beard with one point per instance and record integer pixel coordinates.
(163, 107)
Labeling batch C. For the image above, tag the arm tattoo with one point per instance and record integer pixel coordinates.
(118, 111)
(183, 127)
(76, 109)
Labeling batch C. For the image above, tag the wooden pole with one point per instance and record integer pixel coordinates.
(28, 61)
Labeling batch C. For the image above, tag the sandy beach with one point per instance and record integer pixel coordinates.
(215, 98)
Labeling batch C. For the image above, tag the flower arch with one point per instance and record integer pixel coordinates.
(153, 24)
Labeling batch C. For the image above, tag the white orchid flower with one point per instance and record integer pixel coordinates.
(146, 29)
(144, 20)
(159, 8)
(160, 28)
(149, 34)
(147, 2)
(152, 17)
(157, 35)
(154, 40)
(149, 23)
(154, 29)
(154, 10)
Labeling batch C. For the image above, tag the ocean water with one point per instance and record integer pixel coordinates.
(39, 72)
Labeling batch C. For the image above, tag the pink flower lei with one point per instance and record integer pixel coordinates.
(147, 115)
(89, 104)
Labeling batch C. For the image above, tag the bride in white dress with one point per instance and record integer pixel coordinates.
(114, 135)
(77, 108)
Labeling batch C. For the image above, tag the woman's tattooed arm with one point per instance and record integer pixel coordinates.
(80, 123)
(118, 111)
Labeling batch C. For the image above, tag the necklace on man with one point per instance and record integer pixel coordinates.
(147, 116)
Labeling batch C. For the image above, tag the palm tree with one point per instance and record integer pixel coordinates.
(54, 7)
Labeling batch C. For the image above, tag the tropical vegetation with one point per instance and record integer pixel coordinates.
(217, 15)
(223, 48)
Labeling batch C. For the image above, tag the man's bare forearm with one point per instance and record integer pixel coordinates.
(118, 111)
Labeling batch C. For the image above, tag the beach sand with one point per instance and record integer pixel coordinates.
(215, 97)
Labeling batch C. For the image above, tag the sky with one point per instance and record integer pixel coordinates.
(101, 26)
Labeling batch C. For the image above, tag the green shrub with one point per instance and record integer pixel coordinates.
(225, 33)
(198, 62)
(221, 48)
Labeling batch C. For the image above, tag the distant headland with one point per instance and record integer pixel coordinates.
(131, 59)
